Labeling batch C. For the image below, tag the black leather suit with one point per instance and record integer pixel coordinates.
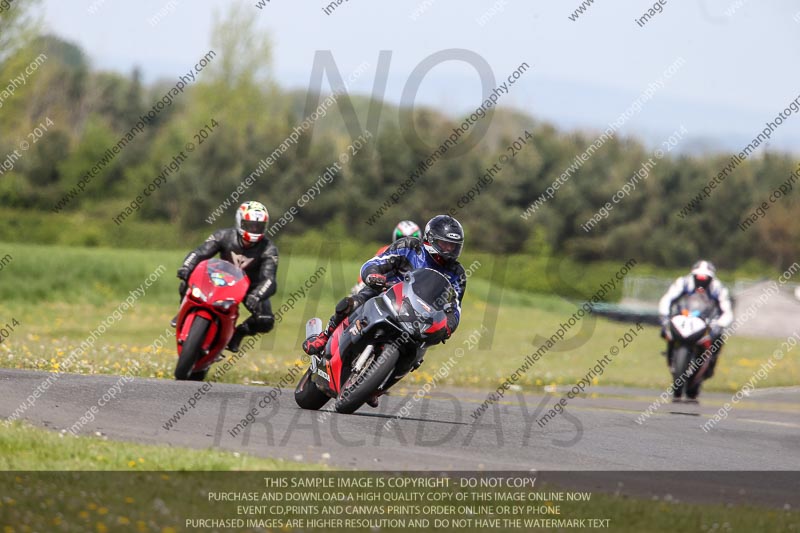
(259, 262)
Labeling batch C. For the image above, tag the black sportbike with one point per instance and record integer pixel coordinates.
(378, 342)
(689, 326)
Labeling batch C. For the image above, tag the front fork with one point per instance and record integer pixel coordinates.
(358, 365)
(394, 376)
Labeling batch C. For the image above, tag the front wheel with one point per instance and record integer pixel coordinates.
(192, 349)
(307, 395)
(358, 387)
(694, 384)
(681, 358)
(198, 376)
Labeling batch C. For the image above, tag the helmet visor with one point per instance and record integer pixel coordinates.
(254, 226)
(702, 280)
(399, 234)
(448, 249)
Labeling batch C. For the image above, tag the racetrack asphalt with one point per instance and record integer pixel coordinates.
(598, 433)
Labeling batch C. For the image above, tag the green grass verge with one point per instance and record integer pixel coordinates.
(27, 448)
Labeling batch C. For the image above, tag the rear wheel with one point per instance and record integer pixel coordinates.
(192, 349)
(693, 390)
(307, 395)
(359, 386)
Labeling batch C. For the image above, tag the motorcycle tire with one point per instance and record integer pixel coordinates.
(307, 395)
(694, 384)
(358, 387)
(198, 376)
(681, 357)
(192, 348)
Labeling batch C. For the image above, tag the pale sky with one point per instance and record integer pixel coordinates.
(740, 55)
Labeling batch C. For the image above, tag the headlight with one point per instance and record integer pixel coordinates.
(225, 305)
(198, 294)
(407, 311)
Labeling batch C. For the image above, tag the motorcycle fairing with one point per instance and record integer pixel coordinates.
(207, 277)
(366, 325)
(688, 327)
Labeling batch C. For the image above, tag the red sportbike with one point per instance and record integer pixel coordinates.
(207, 317)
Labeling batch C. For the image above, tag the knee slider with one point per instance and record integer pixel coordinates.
(259, 324)
(345, 305)
(265, 323)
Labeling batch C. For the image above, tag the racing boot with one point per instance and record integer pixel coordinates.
(182, 291)
(242, 330)
(315, 344)
(372, 401)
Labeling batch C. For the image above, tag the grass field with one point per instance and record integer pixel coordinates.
(149, 488)
(58, 295)
(27, 448)
(53, 297)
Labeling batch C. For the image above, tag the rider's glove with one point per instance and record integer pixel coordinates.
(251, 302)
(182, 287)
(451, 325)
(376, 281)
(716, 329)
(184, 272)
(452, 321)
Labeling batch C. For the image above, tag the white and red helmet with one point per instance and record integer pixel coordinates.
(704, 272)
(251, 221)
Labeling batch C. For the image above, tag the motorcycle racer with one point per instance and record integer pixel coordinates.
(246, 246)
(439, 250)
(701, 278)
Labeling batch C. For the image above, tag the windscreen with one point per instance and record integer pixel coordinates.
(698, 304)
(432, 288)
(223, 273)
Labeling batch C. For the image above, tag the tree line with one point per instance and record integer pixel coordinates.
(253, 115)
